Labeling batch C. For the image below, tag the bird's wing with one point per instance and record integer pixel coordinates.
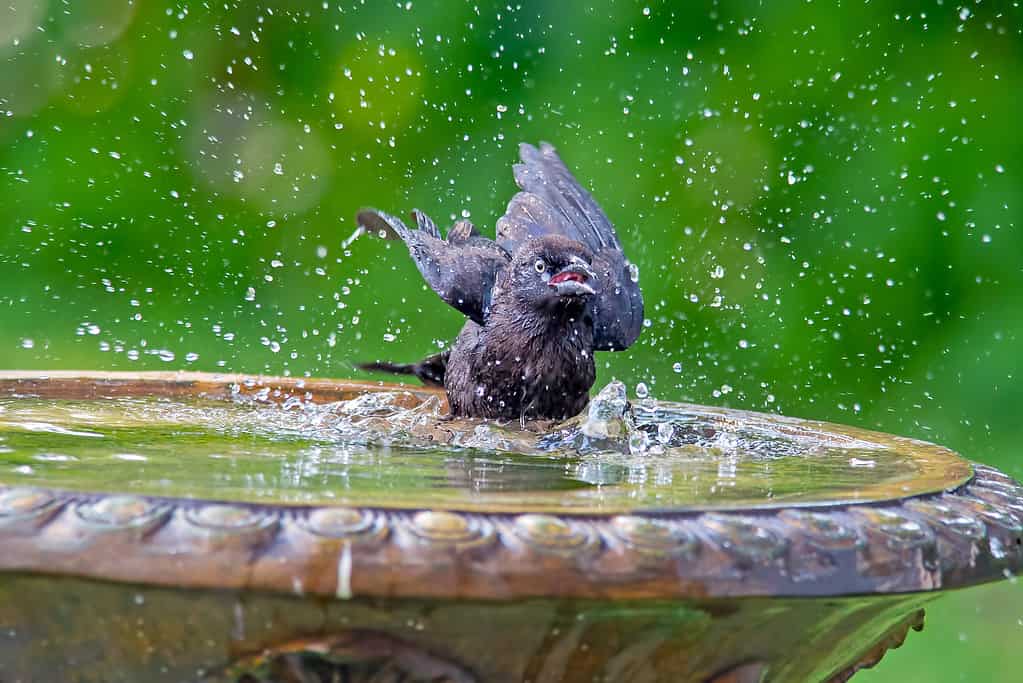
(462, 271)
(552, 202)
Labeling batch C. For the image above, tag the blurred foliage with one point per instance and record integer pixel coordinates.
(823, 198)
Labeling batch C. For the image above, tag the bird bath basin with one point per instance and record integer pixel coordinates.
(191, 527)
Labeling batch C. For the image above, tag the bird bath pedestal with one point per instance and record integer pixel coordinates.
(740, 547)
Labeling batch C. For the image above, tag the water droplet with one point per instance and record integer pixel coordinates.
(639, 442)
(641, 390)
(665, 431)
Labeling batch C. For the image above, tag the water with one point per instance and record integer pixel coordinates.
(370, 451)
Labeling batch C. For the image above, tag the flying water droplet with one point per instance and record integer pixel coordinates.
(639, 442)
(665, 431)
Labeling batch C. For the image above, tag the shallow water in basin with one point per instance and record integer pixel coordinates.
(371, 452)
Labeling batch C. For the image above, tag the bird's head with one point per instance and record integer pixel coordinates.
(553, 271)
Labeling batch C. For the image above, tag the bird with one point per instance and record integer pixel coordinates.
(541, 298)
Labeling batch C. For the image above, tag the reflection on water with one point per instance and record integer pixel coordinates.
(369, 451)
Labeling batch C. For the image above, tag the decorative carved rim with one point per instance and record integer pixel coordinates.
(957, 538)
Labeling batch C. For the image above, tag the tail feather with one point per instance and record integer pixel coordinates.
(430, 370)
(385, 366)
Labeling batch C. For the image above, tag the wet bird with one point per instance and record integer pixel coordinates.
(553, 288)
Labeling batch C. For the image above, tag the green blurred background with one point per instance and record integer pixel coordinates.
(823, 199)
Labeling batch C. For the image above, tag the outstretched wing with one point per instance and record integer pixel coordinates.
(553, 202)
(461, 269)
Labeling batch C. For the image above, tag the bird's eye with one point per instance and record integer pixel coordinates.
(540, 266)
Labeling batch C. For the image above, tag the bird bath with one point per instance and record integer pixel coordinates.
(192, 527)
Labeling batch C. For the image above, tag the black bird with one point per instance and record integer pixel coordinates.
(552, 289)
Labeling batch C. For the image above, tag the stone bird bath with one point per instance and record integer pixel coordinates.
(193, 527)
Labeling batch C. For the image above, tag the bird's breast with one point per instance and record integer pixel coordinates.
(511, 374)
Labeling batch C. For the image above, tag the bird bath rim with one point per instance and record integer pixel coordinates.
(935, 539)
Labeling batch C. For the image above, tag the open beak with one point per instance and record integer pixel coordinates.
(575, 279)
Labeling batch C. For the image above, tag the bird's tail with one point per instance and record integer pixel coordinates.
(430, 370)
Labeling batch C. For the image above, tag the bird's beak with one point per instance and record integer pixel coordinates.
(575, 279)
